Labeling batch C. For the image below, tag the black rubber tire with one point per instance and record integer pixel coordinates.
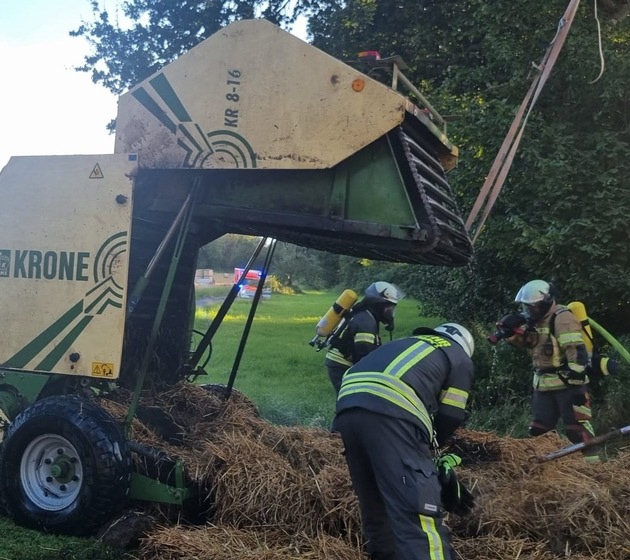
(93, 458)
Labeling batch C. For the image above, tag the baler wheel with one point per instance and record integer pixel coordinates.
(64, 466)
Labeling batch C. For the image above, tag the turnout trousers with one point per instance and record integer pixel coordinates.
(396, 482)
(573, 406)
(335, 373)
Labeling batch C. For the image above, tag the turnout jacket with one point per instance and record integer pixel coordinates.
(422, 379)
(557, 348)
(358, 339)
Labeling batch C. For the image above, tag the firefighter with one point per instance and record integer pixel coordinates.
(394, 408)
(361, 334)
(553, 337)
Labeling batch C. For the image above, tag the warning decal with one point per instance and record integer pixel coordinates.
(102, 369)
(96, 172)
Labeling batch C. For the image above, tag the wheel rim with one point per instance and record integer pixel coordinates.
(51, 472)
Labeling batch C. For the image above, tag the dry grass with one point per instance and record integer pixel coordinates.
(275, 493)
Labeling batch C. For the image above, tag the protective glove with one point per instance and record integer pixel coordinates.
(448, 461)
(602, 366)
(456, 498)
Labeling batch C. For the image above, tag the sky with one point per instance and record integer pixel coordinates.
(47, 107)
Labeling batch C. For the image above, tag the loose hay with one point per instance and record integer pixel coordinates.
(229, 543)
(572, 507)
(274, 492)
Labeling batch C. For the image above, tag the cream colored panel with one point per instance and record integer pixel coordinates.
(253, 95)
(64, 255)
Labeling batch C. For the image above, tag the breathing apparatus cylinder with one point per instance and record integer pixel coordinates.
(579, 310)
(600, 365)
(333, 316)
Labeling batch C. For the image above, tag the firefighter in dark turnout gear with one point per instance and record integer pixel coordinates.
(396, 405)
(554, 340)
(361, 334)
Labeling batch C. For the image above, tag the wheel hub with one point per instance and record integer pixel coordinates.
(51, 472)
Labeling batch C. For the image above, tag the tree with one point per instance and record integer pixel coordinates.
(161, 31)
(561, 213)
(228, 252)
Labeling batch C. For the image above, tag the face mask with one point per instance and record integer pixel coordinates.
(534, 312)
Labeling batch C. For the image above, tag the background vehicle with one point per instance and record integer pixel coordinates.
(248, 282)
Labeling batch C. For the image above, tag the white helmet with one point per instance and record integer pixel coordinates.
(536, 291)
(536, 298)
(383, 292)
(459, 334)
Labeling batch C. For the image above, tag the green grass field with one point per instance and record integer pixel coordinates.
(279, 371)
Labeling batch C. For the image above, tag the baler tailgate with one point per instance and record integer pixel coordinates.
(432, 198)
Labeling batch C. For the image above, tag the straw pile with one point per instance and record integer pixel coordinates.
(275, 493)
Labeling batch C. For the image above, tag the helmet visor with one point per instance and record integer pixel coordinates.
(399, 293)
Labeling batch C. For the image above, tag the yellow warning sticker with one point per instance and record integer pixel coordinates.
(96, 172)
(102, 369)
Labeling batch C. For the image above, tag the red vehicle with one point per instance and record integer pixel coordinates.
(249, 284)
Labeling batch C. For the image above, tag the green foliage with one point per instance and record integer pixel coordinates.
(503, 374)
(161, 31)
(510, 418)
(294, 268)
(299, 268)
(612, 394)
(228, 252)
(561, 213)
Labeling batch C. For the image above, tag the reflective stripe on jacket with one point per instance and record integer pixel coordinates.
(387, 387)
(335, 356)
(359, 338)
(556, 354)
(423, 379)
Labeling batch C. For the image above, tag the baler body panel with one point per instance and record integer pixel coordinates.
(254, 96)
(64, 262)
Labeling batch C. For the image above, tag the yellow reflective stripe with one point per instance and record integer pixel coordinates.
(551, 383)
(454, 397)
(408, 358)
(401, 388)
(542, 330)
(390, 396)
(436, 550)
(570, 338)
(584, 410)
(336, 356)
(588, 426)
(547, 381)
(365, 337)
(389, 388)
